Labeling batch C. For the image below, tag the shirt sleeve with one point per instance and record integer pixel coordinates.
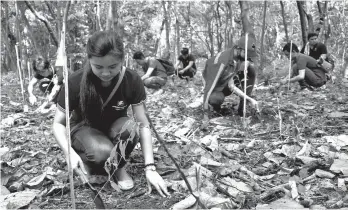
(38, 76)
(73, 98)
(138, 93)
(152, 63)
(192, 58)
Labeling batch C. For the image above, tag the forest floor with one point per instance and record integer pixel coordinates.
(293, 154)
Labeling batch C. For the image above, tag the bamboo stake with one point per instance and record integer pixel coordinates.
(290, 64)
(67, 120)
(245, 77)
(25, 107)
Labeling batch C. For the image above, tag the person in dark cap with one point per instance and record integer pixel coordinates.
(188, 62)
(224, 74)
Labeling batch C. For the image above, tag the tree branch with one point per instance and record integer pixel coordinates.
(45, 21)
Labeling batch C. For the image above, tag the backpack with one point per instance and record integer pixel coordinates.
(168, 66)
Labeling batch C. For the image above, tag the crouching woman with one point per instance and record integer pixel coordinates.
(99, 121)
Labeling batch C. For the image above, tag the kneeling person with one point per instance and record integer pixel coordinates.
(188, 62)
(155, 74)
(305, 70)
(224, 74)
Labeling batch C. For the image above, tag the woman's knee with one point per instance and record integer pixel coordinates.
(94, 145)
(124, 129)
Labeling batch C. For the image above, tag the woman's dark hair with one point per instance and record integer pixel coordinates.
(40, 59)
(138, 55)
(310, 35)
(100, 44)
(287, 47)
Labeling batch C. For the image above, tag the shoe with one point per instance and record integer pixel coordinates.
(305, 90)
(123, 179)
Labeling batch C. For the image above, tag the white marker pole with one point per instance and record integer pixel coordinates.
(290, 64)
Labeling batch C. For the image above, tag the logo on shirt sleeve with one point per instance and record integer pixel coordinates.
(120, 105)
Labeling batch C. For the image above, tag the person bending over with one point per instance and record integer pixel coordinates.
(188, 62)
(99, 127)
(224, 74)
(49, 80)
(305, 69)
(155, 74)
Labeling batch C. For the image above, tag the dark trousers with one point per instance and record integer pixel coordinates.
(313, 77)
(95, 146)
(188, 73)
(154, 82)
(217, 97)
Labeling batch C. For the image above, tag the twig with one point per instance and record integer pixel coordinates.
(273, 190)
(280, 118)
(175, 163)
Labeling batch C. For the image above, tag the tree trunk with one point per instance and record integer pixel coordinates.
(19, 40)
(211, 38)
(177, 32)
(113, 21)
(159, 36)
(166, 22)
(189, 23)
(247, 27)
(263, 34)
(45, 21)
(300, 6)
(30, 31)
(98, 25)
(10, 41)
(218, 25)
(284, 21)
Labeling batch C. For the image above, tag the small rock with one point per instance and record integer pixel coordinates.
(326, 184)
(324, 174)
(341, 184)
(317, 207)
(340, 165)
(4, 191)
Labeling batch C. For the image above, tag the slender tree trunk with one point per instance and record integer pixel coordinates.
(189, 22)
(263, 34)
(30, 31)
(113, 21)
(177, 32)
(159, 36)
(45, 21)
(99, 26)
(10, 41)
(300, 6)
(166, 22)
(211, 38)
(247, 27)
(284, 21)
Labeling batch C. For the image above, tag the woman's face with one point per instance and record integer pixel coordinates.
(106, 68)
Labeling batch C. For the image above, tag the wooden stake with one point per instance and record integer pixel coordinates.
(25, 106)
(290, 64)
(67, 118)
(245, 77)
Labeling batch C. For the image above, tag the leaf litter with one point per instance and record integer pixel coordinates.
(298, 163)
